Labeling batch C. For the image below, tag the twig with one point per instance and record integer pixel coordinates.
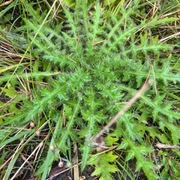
(123, 110)
(167, 146)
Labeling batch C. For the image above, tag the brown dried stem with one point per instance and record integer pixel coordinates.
(123, 110)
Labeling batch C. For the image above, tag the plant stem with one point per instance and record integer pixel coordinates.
(124, 109)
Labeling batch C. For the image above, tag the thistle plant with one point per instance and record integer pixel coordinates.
(72, 75)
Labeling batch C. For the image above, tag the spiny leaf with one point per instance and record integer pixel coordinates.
(103, 168)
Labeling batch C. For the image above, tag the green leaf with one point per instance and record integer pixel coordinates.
(103, 168)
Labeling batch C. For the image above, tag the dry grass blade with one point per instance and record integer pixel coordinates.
(76, 167)
(6, 3)
(26, 161)
(170, 37)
